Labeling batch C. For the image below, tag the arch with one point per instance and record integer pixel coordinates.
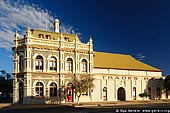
(53, 63)
(34, 61)
(39, 89)
(53, 89)
(84, 66)
(21, 63)
(34, 83)
(70, 92)
(39, 62)
(69, 84)
(36, 54)
(69, 64)
(49, 63)
(34, 86)
(69, 57)
(51, 82)
(49, 56)
(105, 93)
(121, 94)
(134, 93)
(84, 58)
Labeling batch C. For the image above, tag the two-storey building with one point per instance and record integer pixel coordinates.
(45, 63)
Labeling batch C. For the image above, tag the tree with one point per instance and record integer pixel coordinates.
(5, 82)
(82, 85)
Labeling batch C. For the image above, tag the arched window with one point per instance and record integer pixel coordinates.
(158, 91)
(39, 62)
(149, 92)
(53, 63)
(105, 93)
(39, 88)
(53, 89)
(69, 64)
(134, 93)
(21, 63)
(84, 65)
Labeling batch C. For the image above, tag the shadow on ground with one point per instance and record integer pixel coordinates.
(111, 107)
(21, 108)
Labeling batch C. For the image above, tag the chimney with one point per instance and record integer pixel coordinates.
(56, 25)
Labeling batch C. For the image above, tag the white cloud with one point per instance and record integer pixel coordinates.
(19, 15)
(140, 57)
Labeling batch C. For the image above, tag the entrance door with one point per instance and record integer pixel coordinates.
(121, 94)
(70, 92)
(21, 92)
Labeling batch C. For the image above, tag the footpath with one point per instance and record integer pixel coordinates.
(82, 104)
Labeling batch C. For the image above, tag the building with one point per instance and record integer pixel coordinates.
(45, 62)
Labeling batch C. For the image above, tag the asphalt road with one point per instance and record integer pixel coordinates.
(138, 108)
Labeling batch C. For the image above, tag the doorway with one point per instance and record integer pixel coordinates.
(121, 94)
(70, 92)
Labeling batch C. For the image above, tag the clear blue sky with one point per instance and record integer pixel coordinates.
(140, 28)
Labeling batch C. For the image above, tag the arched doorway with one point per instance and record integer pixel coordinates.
(121, 94)
(70, 92)
(53, 89)
(21, 92)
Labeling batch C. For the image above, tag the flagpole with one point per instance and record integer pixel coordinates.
(46, 20)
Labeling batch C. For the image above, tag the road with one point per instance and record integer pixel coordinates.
(138, 108)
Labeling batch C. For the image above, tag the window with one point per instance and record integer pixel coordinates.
(69, 64)
(21, 63)
(134, 93)
(39, 63)
(53, 64)
(39, 89)
(84, 65)
(105, 93)
(53, 89)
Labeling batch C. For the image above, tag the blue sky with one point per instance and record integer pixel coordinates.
(140, 28)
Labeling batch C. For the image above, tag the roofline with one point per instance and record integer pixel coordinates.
(129, 69)
(112, 53)
(51, 32)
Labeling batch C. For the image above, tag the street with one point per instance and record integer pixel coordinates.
(138, 108)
